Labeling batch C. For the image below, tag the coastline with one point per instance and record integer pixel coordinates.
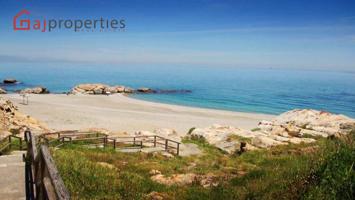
(120, 113)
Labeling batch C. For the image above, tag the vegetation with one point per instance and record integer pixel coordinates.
(322, 170)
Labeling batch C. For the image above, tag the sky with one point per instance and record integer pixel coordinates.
(306, 34)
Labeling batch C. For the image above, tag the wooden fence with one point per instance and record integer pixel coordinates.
(151, 140)
(8, 143)
(115, 142)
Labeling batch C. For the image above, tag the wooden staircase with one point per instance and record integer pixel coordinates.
(12, 176)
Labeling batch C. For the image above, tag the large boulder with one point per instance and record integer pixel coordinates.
(128, 90)
(92, 88)
(119, 88)
(265, 142)
(226, 138)
(145, 90)
(35, 90)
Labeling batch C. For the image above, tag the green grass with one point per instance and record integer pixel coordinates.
(322, 170)
(334, 178)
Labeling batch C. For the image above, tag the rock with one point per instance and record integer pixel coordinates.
(312, 133)
(297, 140)
(145, 90)
(107, 165)
(157, 196)
(189, 149)
(154, 172)
(9, 81)
(2, 91)
(209, 180)
(128, 90)
(167, 154)
(205, 181)
(98, 91)
(35, 90)
(176, 179)
(319, 121)
(265, 142)
(279, 130)
(111, 90)
(265, 125)
(226, 138)
(280, 138)
(293, 130)
(15, 120)
(347, 126)
(95, 88)
(120, 89)
(89, 87)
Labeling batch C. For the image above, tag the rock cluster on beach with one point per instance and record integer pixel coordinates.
(35, 90)
(98, 88)
(12, 119)
(295, 126)
(103, 89)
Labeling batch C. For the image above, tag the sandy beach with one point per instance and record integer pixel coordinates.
(119, 113)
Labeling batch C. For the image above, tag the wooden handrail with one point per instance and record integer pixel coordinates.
(6, 143)
(43, 172)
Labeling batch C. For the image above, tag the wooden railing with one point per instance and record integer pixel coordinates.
(7, 143)
(115, 142)
(43, 180)
(141, 141)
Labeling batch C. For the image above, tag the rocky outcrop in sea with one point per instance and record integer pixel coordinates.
(10, 81)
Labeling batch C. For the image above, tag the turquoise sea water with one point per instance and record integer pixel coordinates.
(270, 91)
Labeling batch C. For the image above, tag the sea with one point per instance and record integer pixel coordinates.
(243, 89)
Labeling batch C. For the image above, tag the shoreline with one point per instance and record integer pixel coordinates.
(121, 113)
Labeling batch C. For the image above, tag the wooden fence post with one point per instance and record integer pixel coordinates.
(114, 143)
(134, 141)
(105, 141)
(178, 149)
(155, 141)
(166, 145)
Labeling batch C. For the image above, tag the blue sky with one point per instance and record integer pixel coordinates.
(315, 34)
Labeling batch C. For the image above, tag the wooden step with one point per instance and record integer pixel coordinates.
(12, 173)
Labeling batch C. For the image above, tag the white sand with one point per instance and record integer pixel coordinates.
(119, 113)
